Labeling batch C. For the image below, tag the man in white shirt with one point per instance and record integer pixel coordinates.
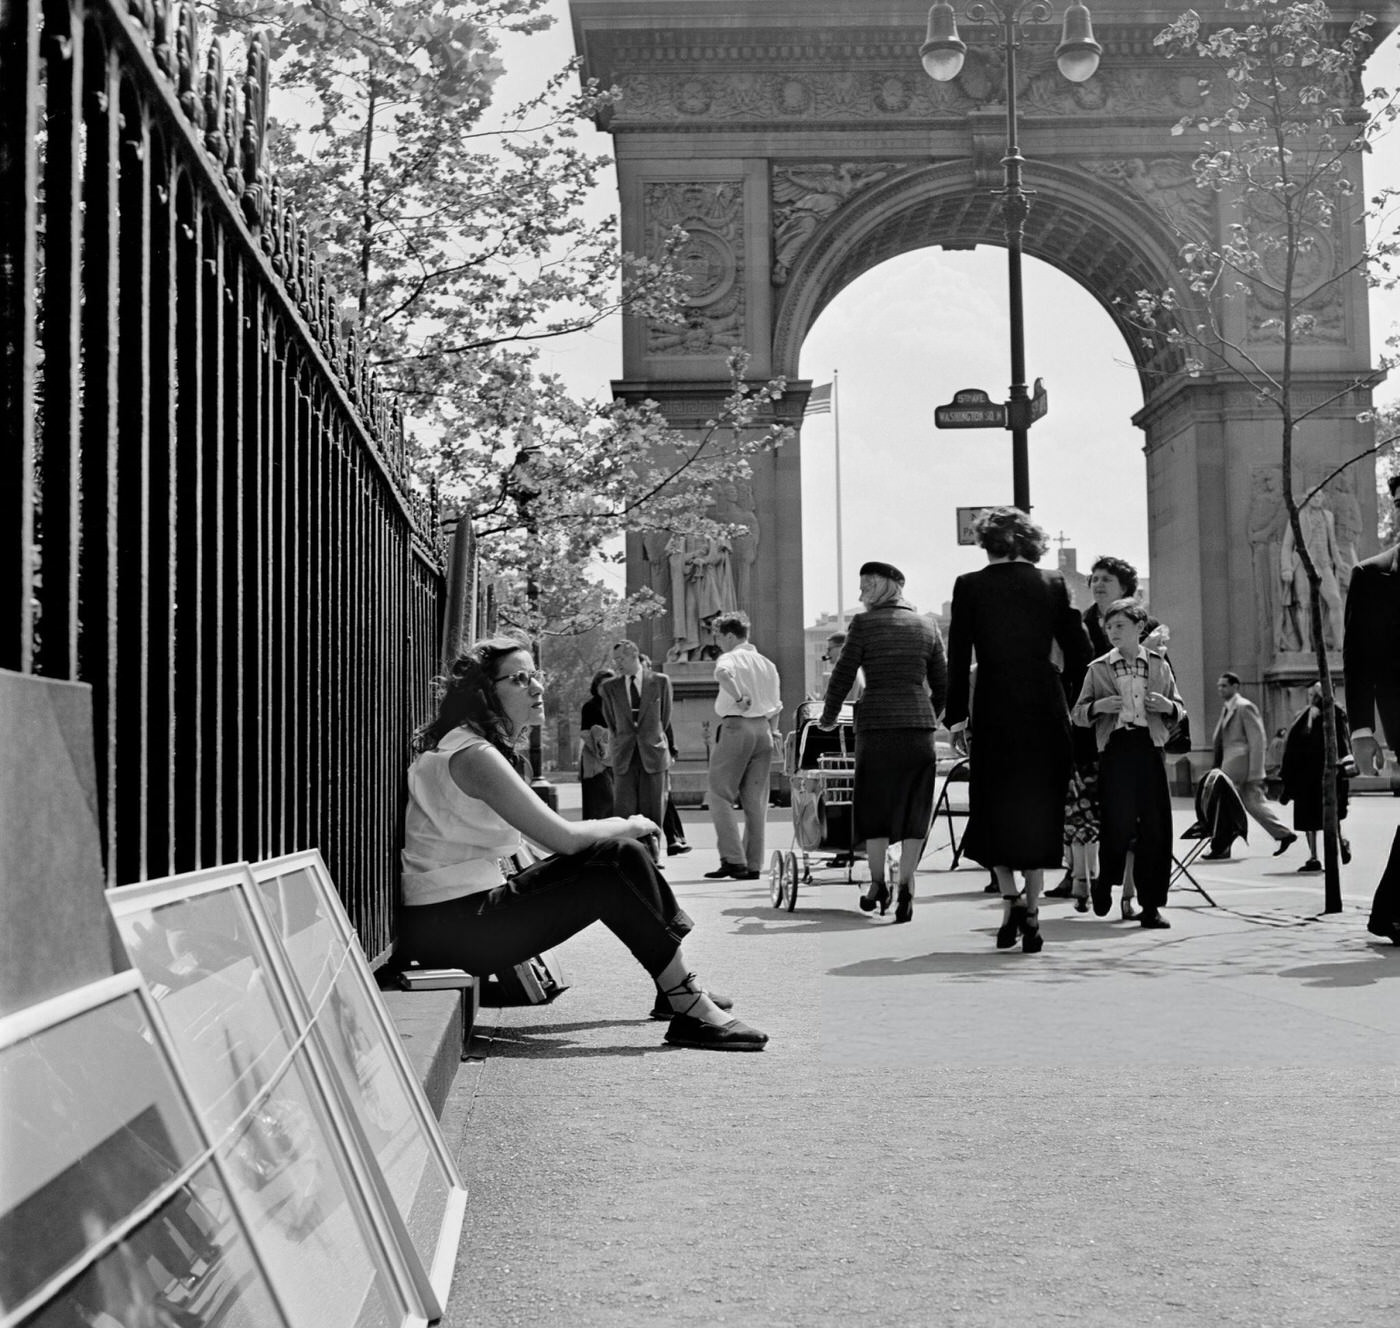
(749, 706)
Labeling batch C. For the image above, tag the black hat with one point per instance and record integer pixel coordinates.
(882, 569)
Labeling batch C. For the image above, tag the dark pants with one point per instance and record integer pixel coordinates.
(1385, 907)
(638, 791)
(1135, 812)
(671, 825)
(613, 882)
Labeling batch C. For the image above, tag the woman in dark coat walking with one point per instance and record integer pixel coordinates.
(1301, 773)
(901, 657)
(594, 769)
(1015, 617)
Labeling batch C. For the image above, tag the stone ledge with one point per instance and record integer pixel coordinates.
(434, 1027)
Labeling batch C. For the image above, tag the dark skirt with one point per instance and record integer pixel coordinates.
(1019, 770)
(896, 770)
(597, 793)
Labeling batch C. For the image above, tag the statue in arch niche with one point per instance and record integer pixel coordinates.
(1331, 526)
(703, 576)
(1318, 524)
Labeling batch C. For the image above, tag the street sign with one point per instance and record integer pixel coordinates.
(967, 521)
(970, 408)
(1040, 403)
(1022, 414)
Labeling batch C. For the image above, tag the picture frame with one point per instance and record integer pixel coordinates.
(116, 1204)
(264, 1086)
(340, 997)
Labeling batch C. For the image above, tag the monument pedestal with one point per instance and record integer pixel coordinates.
(693, 722)
(1286, 683)
(693, 692)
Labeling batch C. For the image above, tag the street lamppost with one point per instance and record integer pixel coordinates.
(1077, 57)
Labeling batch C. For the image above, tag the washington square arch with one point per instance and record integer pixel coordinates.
(800, 144)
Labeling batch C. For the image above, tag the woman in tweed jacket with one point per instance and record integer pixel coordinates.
(906, 682)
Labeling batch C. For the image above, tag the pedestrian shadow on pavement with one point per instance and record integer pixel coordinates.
(765, 920)
(552, 1041)
(1155, 959)
(1364, 971)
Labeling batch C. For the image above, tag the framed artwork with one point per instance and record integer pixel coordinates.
(115, 1209)
(261, 1082)
(338, 997)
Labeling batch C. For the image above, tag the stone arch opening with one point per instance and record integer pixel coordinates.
(1101, 237)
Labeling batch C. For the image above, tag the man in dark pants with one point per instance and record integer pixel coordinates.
(1371, 660)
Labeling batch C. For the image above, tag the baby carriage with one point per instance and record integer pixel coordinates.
(821, 769)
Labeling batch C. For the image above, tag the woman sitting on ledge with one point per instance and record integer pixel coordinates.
(469, 807)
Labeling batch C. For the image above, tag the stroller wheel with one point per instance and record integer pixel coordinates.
(776, 879)
(791, 900)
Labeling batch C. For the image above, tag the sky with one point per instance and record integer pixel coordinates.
(901, 340)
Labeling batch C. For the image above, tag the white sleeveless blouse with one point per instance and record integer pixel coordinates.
(452, 841)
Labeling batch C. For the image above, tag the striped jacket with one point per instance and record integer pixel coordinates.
(906, 674)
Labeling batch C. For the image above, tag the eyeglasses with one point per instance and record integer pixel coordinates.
(524, 677)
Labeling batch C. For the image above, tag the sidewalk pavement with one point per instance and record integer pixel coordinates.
(1193, 1127)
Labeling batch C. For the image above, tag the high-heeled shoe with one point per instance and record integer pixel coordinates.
(904, 908)
(881, 897)
(1032, 942)
(1013, 922)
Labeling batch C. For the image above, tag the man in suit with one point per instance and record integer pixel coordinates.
(637, 711)
(1240, 744)
(1371, 662)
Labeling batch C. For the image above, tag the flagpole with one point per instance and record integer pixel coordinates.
(840, 560)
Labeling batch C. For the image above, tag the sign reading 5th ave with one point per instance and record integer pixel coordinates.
(971, 408)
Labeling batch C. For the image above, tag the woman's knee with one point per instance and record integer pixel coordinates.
(623, 855)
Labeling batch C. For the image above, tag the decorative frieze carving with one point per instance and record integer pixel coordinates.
(806, 196)
(756, 96)
(711, 212)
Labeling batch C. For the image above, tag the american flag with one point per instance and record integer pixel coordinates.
(819, 403)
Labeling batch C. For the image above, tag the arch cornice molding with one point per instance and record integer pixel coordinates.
(1103, 237)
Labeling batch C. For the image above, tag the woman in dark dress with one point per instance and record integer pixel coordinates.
(1301, 773)
(595, 774)
(1012, 615)
(901, 657)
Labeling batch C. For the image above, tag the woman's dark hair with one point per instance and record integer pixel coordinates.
(1007, 532)
(598, 680)
(467, 698)
(1123, 572)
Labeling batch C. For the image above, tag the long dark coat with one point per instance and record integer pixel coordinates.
(1010, 615)
(1301, 772)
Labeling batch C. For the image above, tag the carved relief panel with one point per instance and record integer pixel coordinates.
(806, 196)
(1319, 298)
(711, 212)
(1167, 186)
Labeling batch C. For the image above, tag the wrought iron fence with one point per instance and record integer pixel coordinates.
(210, 519)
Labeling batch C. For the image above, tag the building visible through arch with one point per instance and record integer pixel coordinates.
(800, 144)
